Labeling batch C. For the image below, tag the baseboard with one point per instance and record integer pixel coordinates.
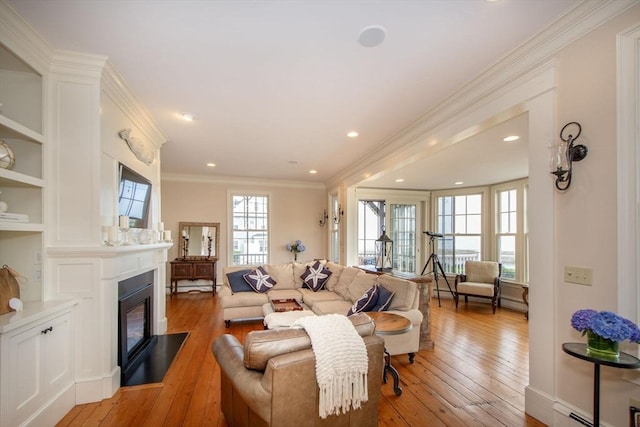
(539, 405)
(95, 389)
(54, 410)
(505, 302)
(512, 304)
(162, 326)
(565, 415)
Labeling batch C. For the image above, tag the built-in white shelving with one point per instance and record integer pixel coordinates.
(22, 186)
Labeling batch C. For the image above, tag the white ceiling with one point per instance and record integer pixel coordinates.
(276, 85)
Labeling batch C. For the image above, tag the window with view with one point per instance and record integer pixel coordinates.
(459, 220)
(370, 223)
(250, 229)
(399, 214)
(403, 233)
(507, 231)
(511, 237)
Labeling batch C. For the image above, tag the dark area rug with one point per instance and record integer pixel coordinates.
(157, 361)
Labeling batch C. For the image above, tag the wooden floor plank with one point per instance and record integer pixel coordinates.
(475, 375)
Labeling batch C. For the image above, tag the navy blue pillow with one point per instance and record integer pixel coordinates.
(259, 280)
(366, 302)
(384, 299)
(237, 282)
(315, 276)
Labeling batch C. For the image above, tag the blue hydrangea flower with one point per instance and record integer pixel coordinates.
(635, 331)
(295, 246)
(609, 325)
(606, 324)
(581, 319)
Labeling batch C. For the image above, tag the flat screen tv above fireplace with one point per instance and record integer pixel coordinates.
(134, 197)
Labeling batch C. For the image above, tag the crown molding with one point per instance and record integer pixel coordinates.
(115, 87)
(19, 37)
(244, 181)
(535, 53)
(418, 195)
(77, 65)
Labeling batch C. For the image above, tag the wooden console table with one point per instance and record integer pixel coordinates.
(192, 270)
(425, 284)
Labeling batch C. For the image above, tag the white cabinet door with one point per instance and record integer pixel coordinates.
(56, 351)
(24, 368)
(36, 365)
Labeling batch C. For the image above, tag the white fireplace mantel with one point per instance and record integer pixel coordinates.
(91, 275)
(104, 251)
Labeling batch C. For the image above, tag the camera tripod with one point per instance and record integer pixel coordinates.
(435, 265)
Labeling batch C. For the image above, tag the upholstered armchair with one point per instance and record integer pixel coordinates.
(480, 279)
(271, 380)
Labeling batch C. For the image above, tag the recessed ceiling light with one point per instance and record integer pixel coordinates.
(458, 183)
(372, 36)
(313, 171)
(400, 180)
(187, 117)
(511, 138)
(353, 134)
(211, 165)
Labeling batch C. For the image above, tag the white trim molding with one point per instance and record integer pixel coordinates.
(628, 149)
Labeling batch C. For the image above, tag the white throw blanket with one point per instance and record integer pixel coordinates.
(341, 362)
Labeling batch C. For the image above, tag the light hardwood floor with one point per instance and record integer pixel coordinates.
(475, 376)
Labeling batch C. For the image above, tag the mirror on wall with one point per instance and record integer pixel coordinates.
(199, 240)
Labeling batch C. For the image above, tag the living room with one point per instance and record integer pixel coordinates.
(579, 78)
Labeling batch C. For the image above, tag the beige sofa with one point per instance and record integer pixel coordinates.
(342, 289)
(256, 379)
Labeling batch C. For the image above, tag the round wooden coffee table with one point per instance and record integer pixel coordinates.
(390, 324)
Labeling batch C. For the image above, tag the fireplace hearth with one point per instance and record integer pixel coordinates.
(135, 320)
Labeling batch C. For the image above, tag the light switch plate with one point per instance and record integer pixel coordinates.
(579, 275)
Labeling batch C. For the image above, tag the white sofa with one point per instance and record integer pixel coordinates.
(342, 289)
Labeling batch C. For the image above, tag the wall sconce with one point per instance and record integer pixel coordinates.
(565, 153)
(324, 218)
(384, 252)
(338, 217)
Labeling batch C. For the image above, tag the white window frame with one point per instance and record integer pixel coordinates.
(230, 254)
(521, 235)
(420, 198)
(485, 243)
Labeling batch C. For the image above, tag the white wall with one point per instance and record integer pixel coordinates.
(586, 215)
(295, 210)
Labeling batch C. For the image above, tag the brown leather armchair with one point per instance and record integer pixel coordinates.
(271, 380)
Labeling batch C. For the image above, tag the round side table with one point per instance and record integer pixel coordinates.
(625, 361)
(390, 324)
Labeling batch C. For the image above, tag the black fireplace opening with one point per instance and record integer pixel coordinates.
(135, 317)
